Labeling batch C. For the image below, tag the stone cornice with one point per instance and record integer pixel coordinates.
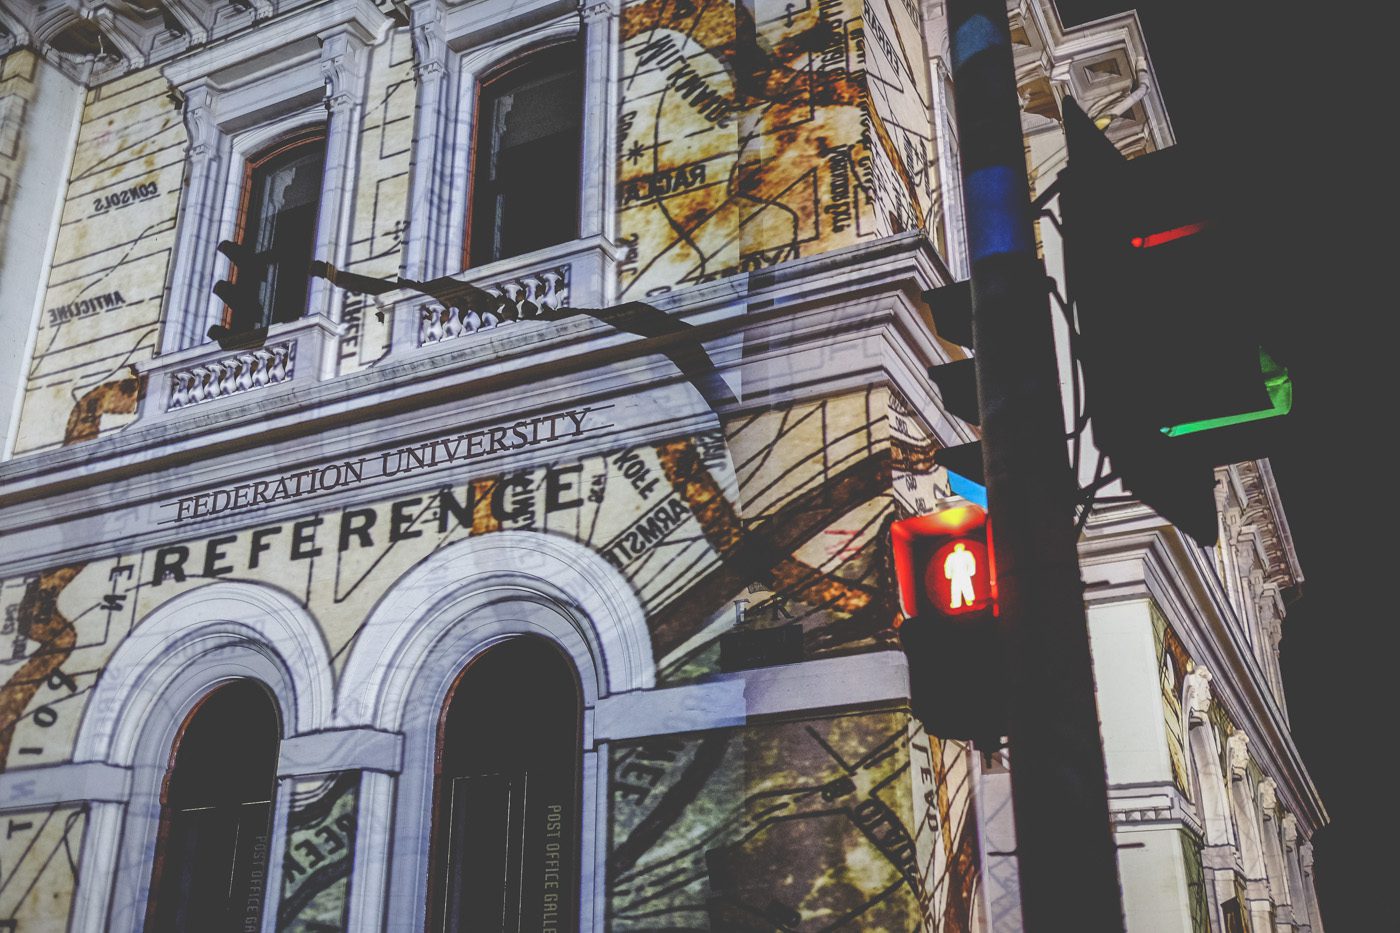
(1128, 553)
(862, 298)
(361, 19)
(1263, 508)
(123, 37)
(1065, 49)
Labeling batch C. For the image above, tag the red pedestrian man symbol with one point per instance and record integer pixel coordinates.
(959, 569)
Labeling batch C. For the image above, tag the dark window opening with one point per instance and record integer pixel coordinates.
(525, 177)
(1233, 913)
(277, 231)
(216, 819)
(505, 827)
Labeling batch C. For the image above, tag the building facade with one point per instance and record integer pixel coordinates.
(526, 564)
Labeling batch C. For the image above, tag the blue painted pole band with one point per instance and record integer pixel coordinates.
(976, 35)
(996, 212)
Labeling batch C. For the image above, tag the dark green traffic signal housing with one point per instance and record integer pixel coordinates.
(1172, 334)
(241, 291)
(951, 307)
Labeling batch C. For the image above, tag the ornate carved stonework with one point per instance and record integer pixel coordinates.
(1268, 797)
(597, 10)
(429, 50)
(1238, 747)
(342, 67)
(1198, 695)
(93, 41)
(199, 123)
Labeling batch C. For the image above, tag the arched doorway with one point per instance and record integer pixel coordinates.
(211, 862)
(505, 804)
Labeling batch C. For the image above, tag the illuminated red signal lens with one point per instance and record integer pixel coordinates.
(957, 579)
(1166, 236)
(944, 563)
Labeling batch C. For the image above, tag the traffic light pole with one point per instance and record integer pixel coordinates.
(1064, 843)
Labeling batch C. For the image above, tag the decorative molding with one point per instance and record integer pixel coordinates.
(55, 785)
(356, 749)
(183, 649)
(266, 366)
(530, 294)
(207, 373)
(1053, 61)
(429, 48)
(596, 10)
(438, 617)
(1198, 695)
(343, 60)
(592, 614)
(300, 20)
(863, 295)
(200, 126)
(470, 41)
(1268, 797)
(1237, 746)
(1128, 552)
(578, 273)
(129, 36)
(879, 678)
(1150, 806)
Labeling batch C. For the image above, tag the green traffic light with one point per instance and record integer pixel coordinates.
(1277, 384)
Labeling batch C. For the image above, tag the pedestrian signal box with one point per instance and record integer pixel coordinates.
(946, 568)
(944, 564)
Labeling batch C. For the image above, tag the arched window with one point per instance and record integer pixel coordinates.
(276, 232)
(525, 173)
(505, 820)
(216, 819)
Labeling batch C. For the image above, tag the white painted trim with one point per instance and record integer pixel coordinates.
(240, 148)
(374, 853)
(361, 17)
(340, 750)
(593, 615)
(448, 610)
(198, 628)
(1130, 553)
(729, 700)
(455, 48)
(186, 647)
(46, 267)
(231, 115)
(51, 785)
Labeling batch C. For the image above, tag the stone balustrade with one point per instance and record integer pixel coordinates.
(231, 375)
(521, 298)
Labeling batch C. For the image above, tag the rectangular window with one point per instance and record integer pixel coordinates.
(525, 181)
(277, 233)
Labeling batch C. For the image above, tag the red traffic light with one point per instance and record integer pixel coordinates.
(1166, 236)
(944, 563)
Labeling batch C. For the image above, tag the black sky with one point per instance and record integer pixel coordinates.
(1278, 91)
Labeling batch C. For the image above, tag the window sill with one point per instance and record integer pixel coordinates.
(578, 274)
(292, 353)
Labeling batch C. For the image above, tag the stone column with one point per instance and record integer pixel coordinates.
(1302, 917)
(596, 217)
(191, 310)
(1145, 803)
(422, 251)
(343, 60)
(1308, 895)
(1279, 888)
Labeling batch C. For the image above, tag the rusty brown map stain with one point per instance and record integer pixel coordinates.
(766, 552)
(39, 620)
(117, 397)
